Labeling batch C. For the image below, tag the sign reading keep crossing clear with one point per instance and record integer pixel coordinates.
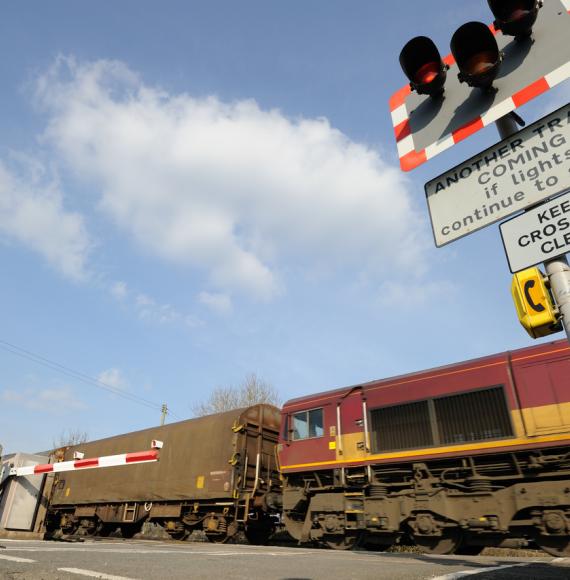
(539, 234)
(518, 172)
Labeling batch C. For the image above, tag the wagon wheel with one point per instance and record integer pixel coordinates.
(218, 538)
(129, 530)
(104, 530)
(258, 535)
(554, 545)
(447, 543)
(178, 534)
(69, 530)
(86, 530)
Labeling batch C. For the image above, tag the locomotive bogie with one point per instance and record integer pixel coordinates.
(437, 515)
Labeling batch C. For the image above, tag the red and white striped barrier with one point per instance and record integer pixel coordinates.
(92, 463)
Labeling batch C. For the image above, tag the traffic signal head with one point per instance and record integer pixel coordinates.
(421, 62)
(477, 55)
(515, 17)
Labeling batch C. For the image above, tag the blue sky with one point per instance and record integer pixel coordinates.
(191, 192)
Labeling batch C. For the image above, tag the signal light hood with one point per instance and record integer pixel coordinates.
(515, 17)
(477, 55)
(422, 64)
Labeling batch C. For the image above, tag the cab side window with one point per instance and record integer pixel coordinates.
(285, 428)
(316, 423)
(308, 424)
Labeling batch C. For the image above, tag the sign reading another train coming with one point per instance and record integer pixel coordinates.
(514, 174)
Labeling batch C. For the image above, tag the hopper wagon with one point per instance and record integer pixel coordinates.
(215, 473)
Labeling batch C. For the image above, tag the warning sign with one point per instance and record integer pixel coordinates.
(520, 171)
(539, 234)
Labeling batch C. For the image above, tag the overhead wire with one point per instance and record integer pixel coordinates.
(63, 369)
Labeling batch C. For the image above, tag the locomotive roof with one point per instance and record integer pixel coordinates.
(545, 347)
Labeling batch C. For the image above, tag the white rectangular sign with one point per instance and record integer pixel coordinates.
(539, 234)
(520, 171)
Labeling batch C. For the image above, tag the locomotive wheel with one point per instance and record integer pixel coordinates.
(467, 550)
(554, 545)
(374, 543)
(340, 542)
(447, 543)
(294, 527)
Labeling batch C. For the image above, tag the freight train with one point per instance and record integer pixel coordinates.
(452, 459)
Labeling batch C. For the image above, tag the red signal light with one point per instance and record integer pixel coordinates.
(422, 64)
(515, 17)
(477, 55)
(427, 73)
(481, 63)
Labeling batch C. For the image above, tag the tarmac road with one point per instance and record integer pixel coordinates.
(145, 559)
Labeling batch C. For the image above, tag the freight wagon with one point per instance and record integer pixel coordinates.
(215, 474)
(454, 458)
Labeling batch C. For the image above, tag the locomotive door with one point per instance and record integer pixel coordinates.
(543, 390)
(352, 420)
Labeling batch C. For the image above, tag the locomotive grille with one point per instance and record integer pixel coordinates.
(402, 426)
(452, 419)
(474, 416)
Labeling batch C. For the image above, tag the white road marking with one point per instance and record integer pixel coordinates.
(462, 574)
(15, 559)
(94, 574)
(150, 551)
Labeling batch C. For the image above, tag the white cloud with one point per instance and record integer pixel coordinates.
(32, 213)
(143, 300)
(220, 303)
(147, 308)
(113, 378)
(230, 188)
(49, 400)
(119, 290)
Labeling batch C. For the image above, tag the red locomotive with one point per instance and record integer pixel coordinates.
(454, 458)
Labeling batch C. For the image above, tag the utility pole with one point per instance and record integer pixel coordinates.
(163, 413)
(558, 272)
